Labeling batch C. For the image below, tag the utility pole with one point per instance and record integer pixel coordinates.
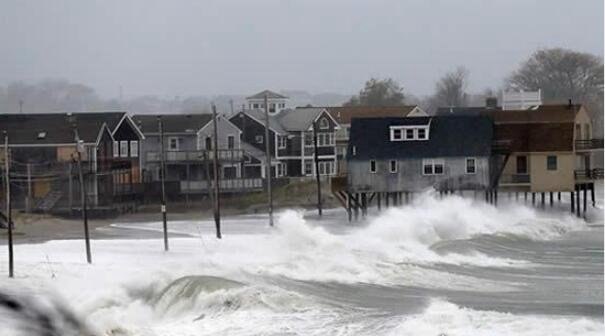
(231, 103)
(83, 196)
(315, 157)
(9, 221)
(268, 161)
(217, 201)
(163, 180)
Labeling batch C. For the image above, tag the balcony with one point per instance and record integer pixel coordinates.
(196, 156)
(515, 179)
(589, 144)
(589, 174)
(234, 185)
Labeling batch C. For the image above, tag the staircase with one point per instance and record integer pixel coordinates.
(49, 201)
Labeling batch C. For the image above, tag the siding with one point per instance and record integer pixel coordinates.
(409, 175)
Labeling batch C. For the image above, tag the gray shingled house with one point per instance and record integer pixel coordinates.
(412, 154)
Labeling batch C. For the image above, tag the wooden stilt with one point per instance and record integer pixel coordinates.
(525, 196)
(496, 196)
(559, 196)
(378, 196)
(592, 195)
(578, 201)
(542, 199)
(573, 198)
(585, 189)
(533, 198)
(551, 199)
(356, 206)
(349, 206)
(364, 204)
(386, 199)
(516, 195)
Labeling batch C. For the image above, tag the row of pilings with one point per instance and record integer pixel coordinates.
(357, 203)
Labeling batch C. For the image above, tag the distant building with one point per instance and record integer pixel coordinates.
(43, 152)
(521, 100)
(276, 101)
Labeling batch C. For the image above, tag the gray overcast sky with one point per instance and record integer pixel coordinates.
(187, 47)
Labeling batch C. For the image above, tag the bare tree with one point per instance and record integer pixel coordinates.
(450, 90)
(561, 74)
(379, 92)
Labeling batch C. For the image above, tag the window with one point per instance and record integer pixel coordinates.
(280, 170)
(324, 123)
(587, 134)
(259, 139)
(308, 167)
(354, 150)
(372, 166)
(470, 166)
(272, 108)
(116, 149)
(208, 143)
(173, 144)
(308, 139)
(393, 166)
(326, 167)
(134, 148)
(433, 167)
(123, 148)
(255, 106)
(522, 164)
(396, 134)
(421, 134)
(551, 162)
(230, 142)
(281, 141)
(325, 139)
(409, 134)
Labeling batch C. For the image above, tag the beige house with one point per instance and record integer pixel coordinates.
(551, 148)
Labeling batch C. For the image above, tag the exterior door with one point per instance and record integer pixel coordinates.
(522, 164)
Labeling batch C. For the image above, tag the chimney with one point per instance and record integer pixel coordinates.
(491, 103)
(569, 104)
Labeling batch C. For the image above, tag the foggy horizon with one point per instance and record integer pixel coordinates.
(191, 48)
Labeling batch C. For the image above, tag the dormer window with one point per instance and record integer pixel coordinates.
(324, 124)
(409, 133)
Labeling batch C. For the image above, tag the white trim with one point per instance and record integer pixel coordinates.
(132, 123)
(336, 124)
(433, 163)
(404, 132)
(177, 144)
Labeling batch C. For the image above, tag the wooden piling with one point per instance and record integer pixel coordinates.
(592, 195)
(585, 187)
(578, 201)
(572, 198)
(551, 199)
(542, 199)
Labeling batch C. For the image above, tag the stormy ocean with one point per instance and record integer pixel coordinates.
(451, 266)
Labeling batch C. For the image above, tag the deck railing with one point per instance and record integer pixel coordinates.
(515, 179)
(589, 144)
(175, 156)
(589, 174)
(225, 185)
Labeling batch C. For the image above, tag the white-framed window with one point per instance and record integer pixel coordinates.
(397, 134)
(255, 105)
(308, 167)
(433, 166)
(279, 170)
(393, 166)
(272, 108)
(421, 132)
(281, 141)
(354, 151)
(372, 166)
(208, 143)
(116, 149)
(551, 162)
(325, 139)
(308, 139)
(123, 148)
(471, 165)
(409, 133)
(173, 143)
(259, 139)
(324, 123)
(326, 167)
(230, 142)
(134, 148)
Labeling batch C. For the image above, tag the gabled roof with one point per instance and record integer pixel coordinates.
(259, 116)
(172, 123)
(344, 114)
(448, 136)
(299, 119)
(560, 113)
(56, 128)
(269, 94)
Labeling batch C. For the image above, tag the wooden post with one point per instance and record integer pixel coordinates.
(496, 196)
(364, 204)
(268, 161)
(188, 173)
(578, 201)
(592, 195)
(163, 184)
(386, 199)
(28, 200)
(9, 221)
(378, 196)
(217, 186)
(349, 205)
(533, 198)
(83, 196)
(208, 179)
(516, 195)
(551, 199)
(525, 196)
(542, 199)
(70, 196)
(585, 187)
(356, 206)
(559, 196)
(315, 158)
(407, 197)
(572, 198)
